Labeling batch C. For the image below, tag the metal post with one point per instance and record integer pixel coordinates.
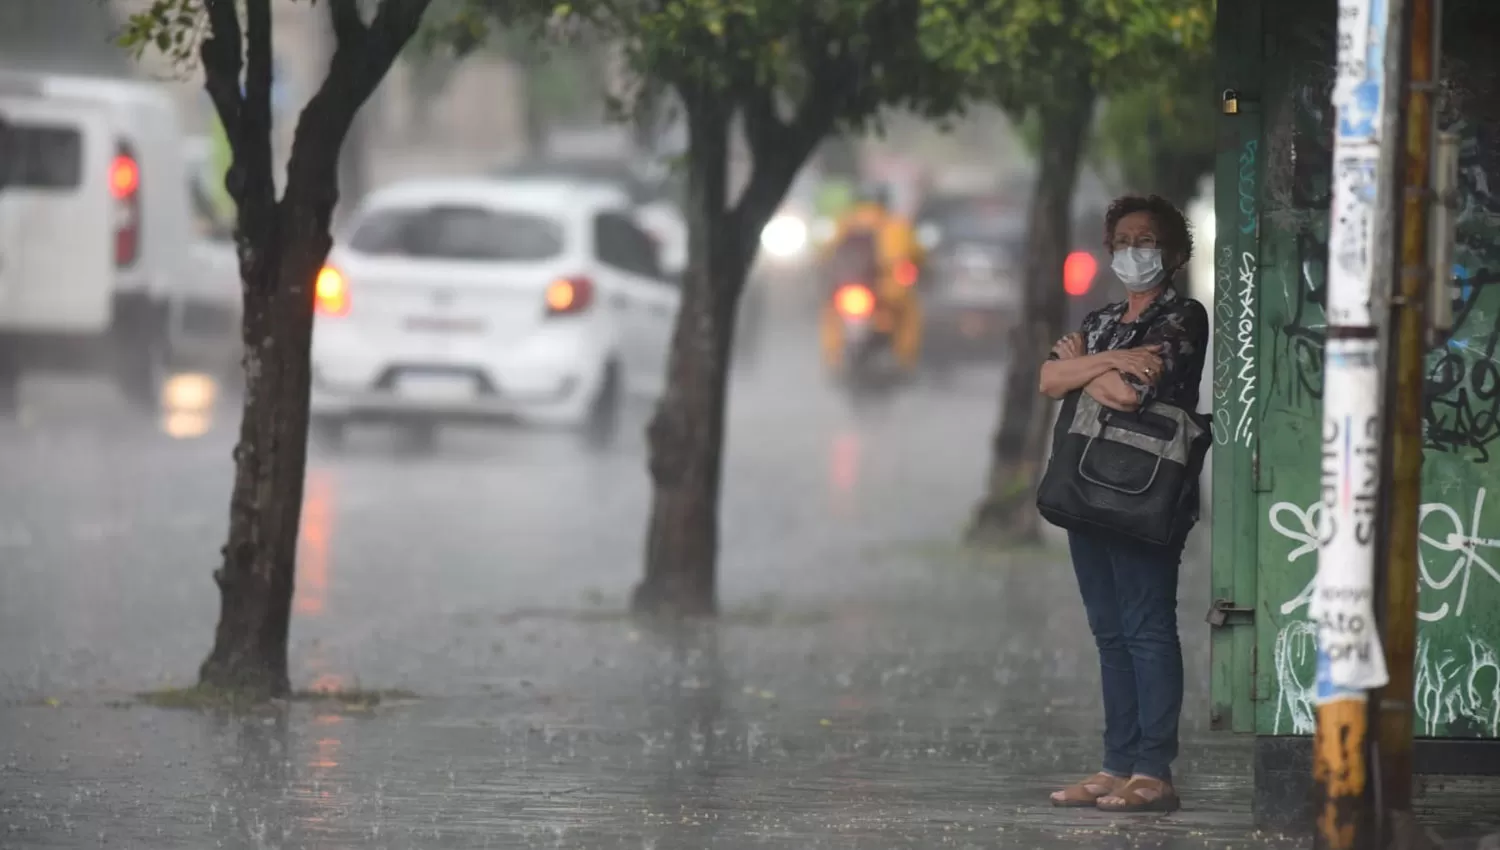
(1362, 235)
(1404, 384)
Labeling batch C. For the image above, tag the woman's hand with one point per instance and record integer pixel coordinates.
(1069, 347)
(1144, 362)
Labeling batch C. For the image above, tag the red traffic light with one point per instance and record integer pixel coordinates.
(1078, 273)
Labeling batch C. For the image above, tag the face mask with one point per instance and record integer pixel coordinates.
(1139, 269)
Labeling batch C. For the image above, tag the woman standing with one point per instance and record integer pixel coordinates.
(1148, 347)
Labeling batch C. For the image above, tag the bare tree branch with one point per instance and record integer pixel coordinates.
(764, 129)
(223, 61)
(257, 99)
(348, 26)
(357, 68)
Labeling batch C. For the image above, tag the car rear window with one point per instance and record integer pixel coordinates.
(42, 157)
(459, 233)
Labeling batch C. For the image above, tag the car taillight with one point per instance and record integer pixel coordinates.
(905, 273)
(1078, 273)
(125, 188)
(569, 295)
(331, 292)
(854, 300)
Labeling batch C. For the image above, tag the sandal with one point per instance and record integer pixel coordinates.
(1165, 799)
(1079, 795)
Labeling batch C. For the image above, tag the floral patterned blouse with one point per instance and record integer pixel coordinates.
(1177, 323)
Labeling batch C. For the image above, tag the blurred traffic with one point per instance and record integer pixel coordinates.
(504, 282)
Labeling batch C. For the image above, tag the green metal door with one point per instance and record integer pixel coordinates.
(1236, 247)
(1266, 499)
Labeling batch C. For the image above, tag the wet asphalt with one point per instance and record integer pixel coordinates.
(870, 685)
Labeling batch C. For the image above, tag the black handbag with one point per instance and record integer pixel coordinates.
(1129, 475)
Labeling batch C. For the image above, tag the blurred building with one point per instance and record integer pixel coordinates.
(73, 35)
(474, 121)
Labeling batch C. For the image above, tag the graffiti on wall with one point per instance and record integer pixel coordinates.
(1245, 292)
(1461, 405)
(1458, 659)
(1453, 554)
(1296, 356)
(1456, 557)
(1236, 269)
(1457, 694)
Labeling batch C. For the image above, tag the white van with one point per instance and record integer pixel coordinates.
(97, 264)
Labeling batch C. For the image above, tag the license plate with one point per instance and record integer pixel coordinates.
(435, 324)
(437, 387)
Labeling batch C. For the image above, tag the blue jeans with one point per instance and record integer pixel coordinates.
(1130, 594)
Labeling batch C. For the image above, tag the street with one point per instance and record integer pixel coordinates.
(870, 685)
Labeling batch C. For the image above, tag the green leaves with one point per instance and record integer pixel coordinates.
(173, 28)
(858, 55)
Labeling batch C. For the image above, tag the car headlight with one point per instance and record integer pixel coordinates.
(784, 236)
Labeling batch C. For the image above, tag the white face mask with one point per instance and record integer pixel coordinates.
(1140, 269)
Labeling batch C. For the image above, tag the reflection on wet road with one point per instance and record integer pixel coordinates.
(868, 687)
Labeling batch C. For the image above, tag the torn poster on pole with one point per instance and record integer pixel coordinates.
(1343, 602)
(1351, 660)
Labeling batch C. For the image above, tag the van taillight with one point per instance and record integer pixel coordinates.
(125, 188)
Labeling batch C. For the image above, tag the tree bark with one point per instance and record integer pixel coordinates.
(1007, 513)
(257, 576)
(686, 433)
(282, 245)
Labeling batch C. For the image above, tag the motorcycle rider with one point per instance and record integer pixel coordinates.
(872, 228)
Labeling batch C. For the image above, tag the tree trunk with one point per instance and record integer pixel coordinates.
(1007, 512)
(256, 579)
(282, 245)
(687, 432)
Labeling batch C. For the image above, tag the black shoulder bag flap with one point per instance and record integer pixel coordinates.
(1132, 475)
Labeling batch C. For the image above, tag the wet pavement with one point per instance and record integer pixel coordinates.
(870, 686)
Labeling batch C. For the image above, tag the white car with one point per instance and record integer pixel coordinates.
(485, 300)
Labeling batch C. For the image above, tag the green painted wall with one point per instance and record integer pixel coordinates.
(1237, 179)
(1278, 369)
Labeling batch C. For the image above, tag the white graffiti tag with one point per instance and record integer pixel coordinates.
(1296, 647)
(1452, 686)
(1305, 534)
(1464, 548)
(1245, 354)
(1450, 551)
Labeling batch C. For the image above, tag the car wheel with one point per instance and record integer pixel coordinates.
(143, 359)
(602, 426)
(327, 432)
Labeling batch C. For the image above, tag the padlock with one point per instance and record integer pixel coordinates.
(1231, 102)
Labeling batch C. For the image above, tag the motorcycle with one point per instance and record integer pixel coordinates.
(864, 328)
